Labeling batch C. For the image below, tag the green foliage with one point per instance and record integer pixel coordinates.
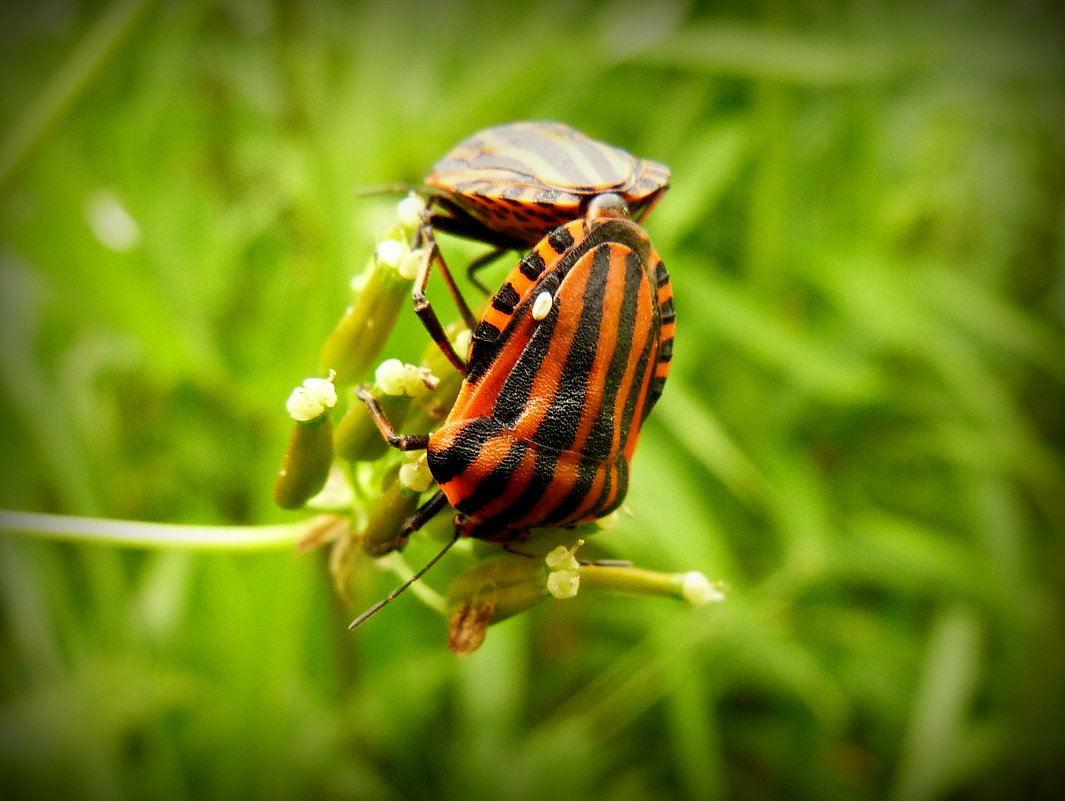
(862, 433)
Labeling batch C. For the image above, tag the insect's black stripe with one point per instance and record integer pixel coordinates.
(562, 418)
(560, 240)
(601, 438)
(661, 276)
(654, 392)
(494, 484)
(532, 266)
(463, 451)
(542, 476)
(665, 351)
(486, 332)
(636, 388)
(505, 299)
(666, 311)
(514, 395)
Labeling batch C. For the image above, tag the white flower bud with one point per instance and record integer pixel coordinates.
(409, 211)
(697, 589)
(312, 398)
(562, 558)
(461, 342)
(408, 265)
(391, 252)
(390, 376)
(563, 583)
(415, 475)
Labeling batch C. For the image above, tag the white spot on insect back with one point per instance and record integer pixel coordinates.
(542, 305)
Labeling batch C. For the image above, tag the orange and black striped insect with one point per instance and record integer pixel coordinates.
(563, 368)
(510, 185)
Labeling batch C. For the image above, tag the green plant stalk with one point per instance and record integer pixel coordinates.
(141, 534)
(632, 580)
(353, 346)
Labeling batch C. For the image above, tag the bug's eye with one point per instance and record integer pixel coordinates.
(607, 205)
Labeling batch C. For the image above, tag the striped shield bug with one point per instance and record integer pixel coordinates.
(510, 185)
(564, 366)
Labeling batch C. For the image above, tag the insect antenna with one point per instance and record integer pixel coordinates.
(373, 610)
(386, 189)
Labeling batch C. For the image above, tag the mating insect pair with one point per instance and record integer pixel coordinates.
(570, 355)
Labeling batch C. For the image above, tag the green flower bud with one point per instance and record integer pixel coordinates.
(309, 456)
(306, 464)
(384, 527)
(496, 589)
(355, 343)
(492, 591)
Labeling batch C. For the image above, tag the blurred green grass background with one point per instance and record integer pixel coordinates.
(861, 435)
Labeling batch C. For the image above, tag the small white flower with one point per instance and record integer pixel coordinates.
(415, 475)
(409, 211)
(408, 265)
(562, 558)
(461, 342)
(396, 378)
(312, 398)
(698, 591)
(418, 380)
(390, 376)
(391, 252)
(563, 583)
(608, 522)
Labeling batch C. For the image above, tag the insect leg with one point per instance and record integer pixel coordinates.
(483, 261)
(403, 442)
(422, 306)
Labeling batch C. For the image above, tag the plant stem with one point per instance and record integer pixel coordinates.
(140, 534)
